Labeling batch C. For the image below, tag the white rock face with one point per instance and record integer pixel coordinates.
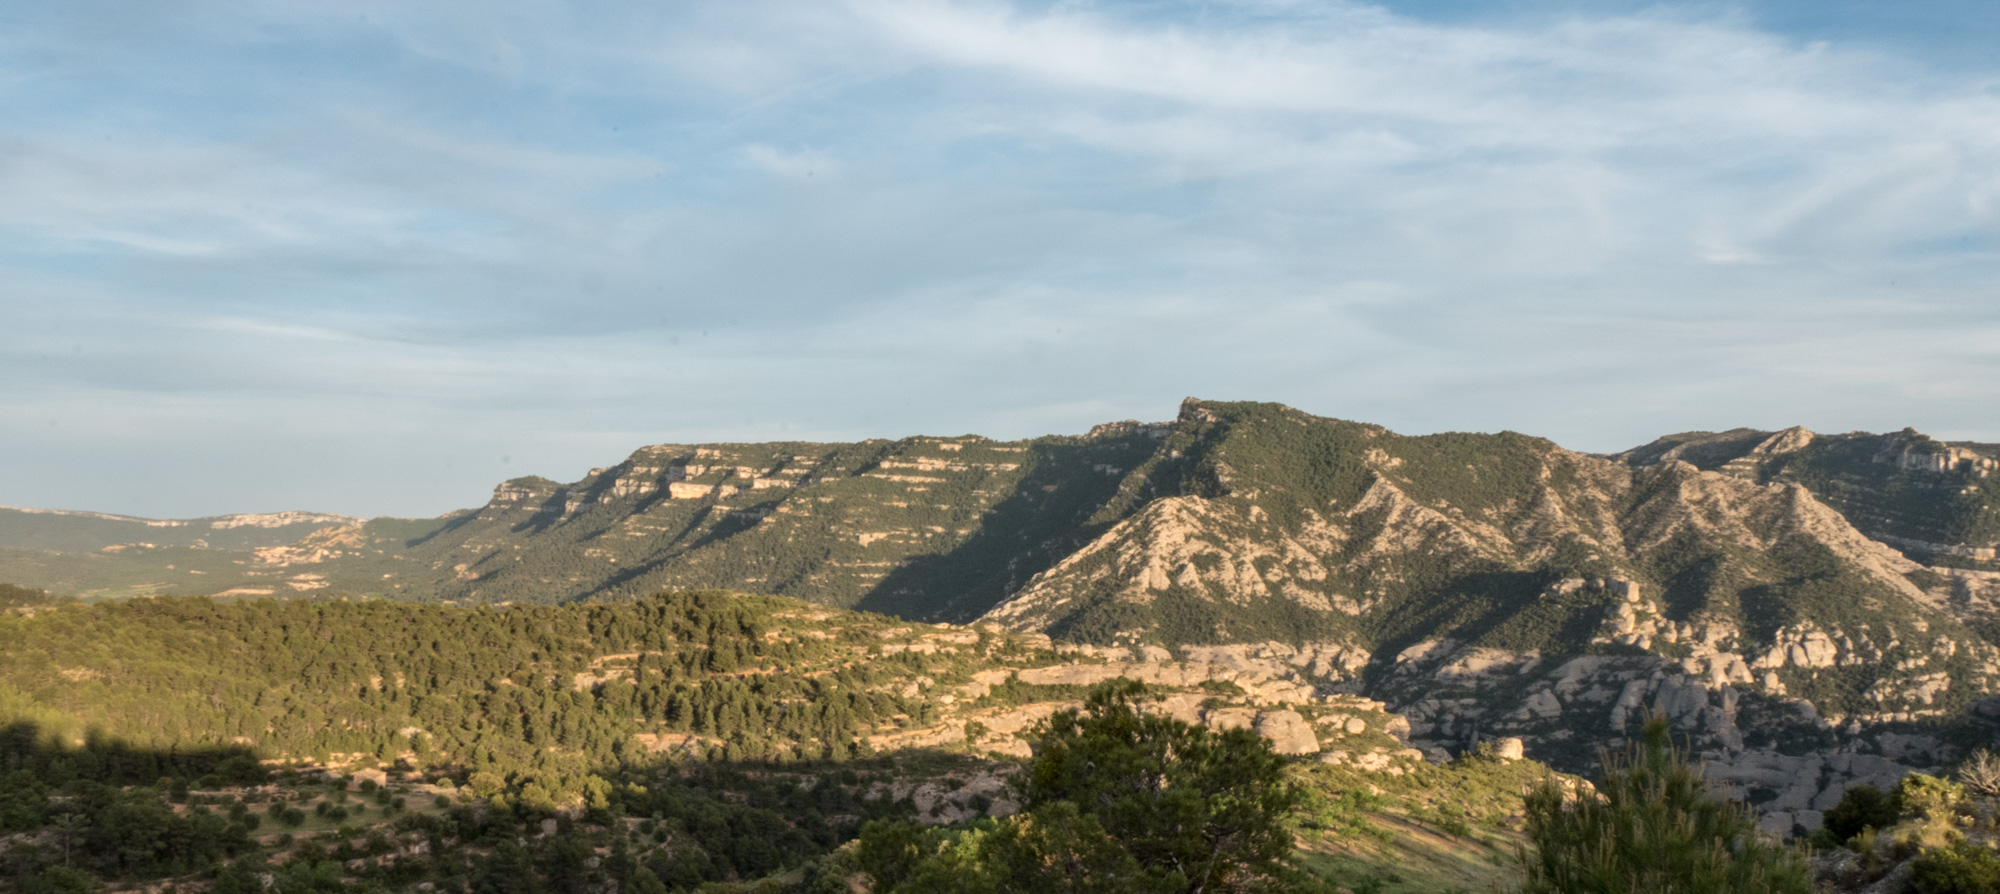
(1804, 785)
(1221, 719)
(1289, 733)
(1542, 703)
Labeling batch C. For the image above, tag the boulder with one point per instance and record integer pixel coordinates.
(1220, 719)
(1184, 707)
(1399, 727)
(1543, 704)
(1289, 733)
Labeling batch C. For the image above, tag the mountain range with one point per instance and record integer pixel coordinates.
(1813, 610)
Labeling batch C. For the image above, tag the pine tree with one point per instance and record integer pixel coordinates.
(1653, 827)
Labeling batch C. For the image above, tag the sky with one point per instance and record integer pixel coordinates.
(375, 257)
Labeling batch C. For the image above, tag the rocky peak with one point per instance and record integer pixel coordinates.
(1911, 450)
(1129, 428)
(1790, 440)
(528, 489)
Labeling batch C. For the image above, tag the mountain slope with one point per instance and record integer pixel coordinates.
(1500, 585)
(1784, 596)
(1934, 500)
(929, 528)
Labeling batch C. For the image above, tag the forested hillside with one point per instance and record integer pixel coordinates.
(645, 745)
(1787, 597)
(542, 696)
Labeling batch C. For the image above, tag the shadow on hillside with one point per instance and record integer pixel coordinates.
(1504, 609)
(100, 758)
(1045, 519)
(722, 820)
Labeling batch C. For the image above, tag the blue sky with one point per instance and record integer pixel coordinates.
(374, 257)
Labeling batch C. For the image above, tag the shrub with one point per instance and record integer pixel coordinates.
(1928, 798)
(60, 880)
(1981, 774)
(1966, 869)
(1862, 807)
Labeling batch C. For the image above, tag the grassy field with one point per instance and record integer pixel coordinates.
(1432, 829)
(1411, 856)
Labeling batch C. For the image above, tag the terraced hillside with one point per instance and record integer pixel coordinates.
(931, 528)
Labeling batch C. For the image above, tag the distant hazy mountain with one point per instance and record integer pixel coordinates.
(64, 530)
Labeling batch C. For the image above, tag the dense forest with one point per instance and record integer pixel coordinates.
(535, 698)
(660, 744)
(728, 743)
(162, 737)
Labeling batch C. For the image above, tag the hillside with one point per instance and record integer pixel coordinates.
(1816, 610)
(709, 736)
(1933, 500)
(93, 554)
(1499, 585)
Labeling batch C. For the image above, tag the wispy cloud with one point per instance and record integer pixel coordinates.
(553, 233)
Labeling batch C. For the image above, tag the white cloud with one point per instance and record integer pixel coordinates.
(572, 233)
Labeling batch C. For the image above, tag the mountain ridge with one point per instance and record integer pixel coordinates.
(1785, 597)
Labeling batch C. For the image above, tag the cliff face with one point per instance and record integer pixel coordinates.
(924, 528)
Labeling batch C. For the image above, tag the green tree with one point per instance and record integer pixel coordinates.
(1862, 807)
(1207, 807)
(1651, 826)
(1055, 849)
(645, 882)
(1117, 799)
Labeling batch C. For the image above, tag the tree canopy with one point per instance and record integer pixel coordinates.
(1652, 826)
(1117, 798)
